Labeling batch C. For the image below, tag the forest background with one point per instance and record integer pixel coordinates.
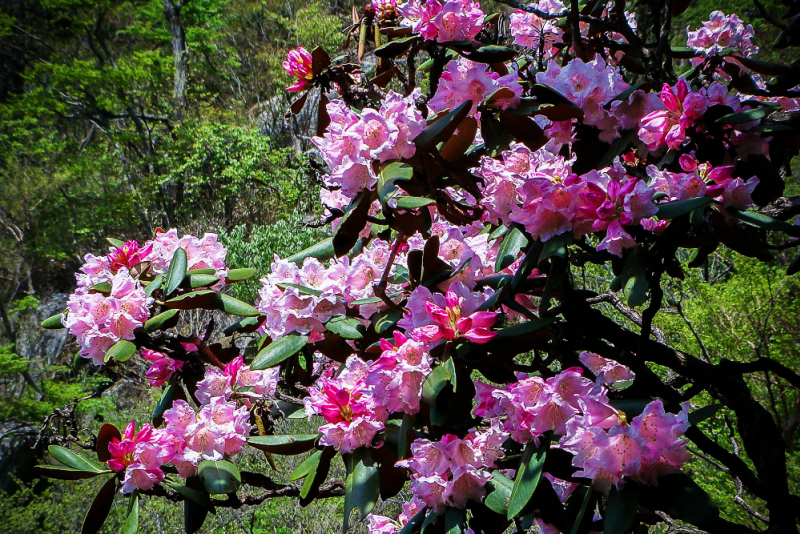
(118, 117)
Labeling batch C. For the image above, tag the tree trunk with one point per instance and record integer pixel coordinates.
(180, 56)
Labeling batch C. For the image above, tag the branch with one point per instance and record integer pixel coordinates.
(767, 364)
(611, 298)
(334, 488)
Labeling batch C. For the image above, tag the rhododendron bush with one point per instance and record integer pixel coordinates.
(440, 339)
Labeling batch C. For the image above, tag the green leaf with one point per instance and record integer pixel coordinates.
(453, 519)
(681, 498)
(706, 412)
(306, 466)
(740, 117)
(101, 506)
(621, 509)
(192, 301)
(444, 127)
(488, 54)
(584, 507)
(528, 475)
(525, 328)
(671, 210)
(102, 287)
(239, 275)
(386, 321)
(411, 203)
(154, 285)
(219, 477)
(60, 472)
(362, 484)
(322, 251)
(509, 248)
(634, 278)
(131, 524)
(121, 351)
(196, 281)
(54, 322)
(623, 96)
(316, 476)
(415, 523)
(347, 327)
(159, 321)
(201, 271)
(176, 272)
(390, 175)
(617, 147)
(167, 398)
(278, 350)
(233, 306)
(246, 325)
(353, 221)
(759, 220)
(300, 289)
(395, 48)
(194, 514)
(286, 444)
(434, 384)
(501, 486)
(195, 495)
(116, 243)
(631, 407)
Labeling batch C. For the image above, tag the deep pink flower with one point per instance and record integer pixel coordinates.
(127, 256)
(449, 324)
(162, 368)
(299, 64)
(667, 127)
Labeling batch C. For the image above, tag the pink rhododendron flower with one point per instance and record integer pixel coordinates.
(162, 368)
(127, 256)
(449, 323)
(138, 456)
(607, 371)
(299, 64)
(237, 377)
(667, 127)
(396, 377)
(721, 32)
(352, 414)
(464, 80)
(532, 32)
(201, 253)
(443, 20)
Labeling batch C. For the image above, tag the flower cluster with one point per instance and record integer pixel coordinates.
(201, 253)
(667, 127)
(450, 322)
(721, 32)
(589, 86)
(451, 471)
(299, 64)
(464, 80)
(99, 320)
(137, 454)
(647, 449)
(459, 299)
(379, 524)
(346, 403)
(162, 368)
(533, 32)
(443, 20)
(396, 377)
(237, 378)
(350, 142)
(607, 371)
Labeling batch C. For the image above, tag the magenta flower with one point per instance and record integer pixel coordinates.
(299, 64)
(449, 324)
(162, 369)
(667, 127)
(127, 256)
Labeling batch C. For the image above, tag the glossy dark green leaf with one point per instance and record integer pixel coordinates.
(759, 220)
(219, 477)
(60, 472)
(412, 203)
(322, 251)
(390, 175)
(53, 322)
(176, 272)
(618, 146)
(121, 351)
(621, 509)
(509, 248)
(454, 519)
(528, 475)
(489, 54)
(584, 508)
(303, 290)
(239, 275)
(131, 523)
(196, 281)
(706, 412)
(233, 306)
(194, 514)
(395, 48)
(154, 285)
(444, 127)
(434, 384)
(634, 278)
(556, 246)
(167, 398)
(671, 210)
(353, 221)
(278, 350)
(245, 326)
(286, 444)
(741, 117)
(192, 301)
(386, 321)
(415, 523)
(101, 506)
(306, 466)
(525, 328)
(681, 498)
(161, 321)
(201, 271)
(316, 476)
(500, 493)
(347, 327)
(102, 287)
(196, 495)
(362, 484)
